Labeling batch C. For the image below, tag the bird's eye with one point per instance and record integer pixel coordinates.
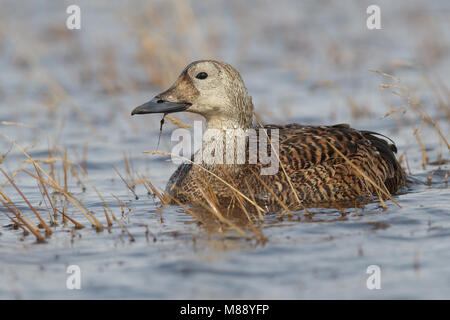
(201, 75)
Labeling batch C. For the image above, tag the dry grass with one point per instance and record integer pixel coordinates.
(56, 196)
(419, 112)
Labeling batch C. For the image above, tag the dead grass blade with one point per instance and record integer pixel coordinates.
(281, 165)
(208, 171)
(43, 223)
(126, 183)
(376, 186)
(16, 212)
(282, 204)
(216, 211)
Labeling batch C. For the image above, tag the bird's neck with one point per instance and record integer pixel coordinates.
(218, 123)
(240, 116)
(225, 140)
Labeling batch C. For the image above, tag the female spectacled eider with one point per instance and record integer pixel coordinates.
(318, 164)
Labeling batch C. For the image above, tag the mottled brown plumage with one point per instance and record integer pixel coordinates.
(317, 172)
(311, 169)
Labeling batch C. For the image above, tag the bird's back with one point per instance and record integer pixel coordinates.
(330, 164)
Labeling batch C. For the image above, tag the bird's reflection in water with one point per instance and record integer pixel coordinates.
(236, 228)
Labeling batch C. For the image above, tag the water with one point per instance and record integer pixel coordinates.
(302, 63)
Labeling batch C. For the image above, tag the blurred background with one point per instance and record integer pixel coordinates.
(310, 62)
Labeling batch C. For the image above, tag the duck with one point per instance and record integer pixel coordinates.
(317, 164)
